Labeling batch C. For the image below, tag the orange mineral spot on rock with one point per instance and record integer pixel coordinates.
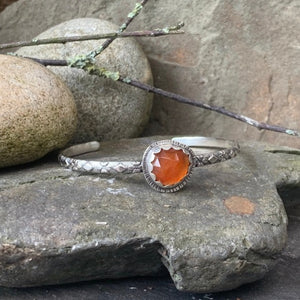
(239, 205)
(170, 166)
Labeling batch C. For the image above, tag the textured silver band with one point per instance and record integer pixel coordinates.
(207, 151)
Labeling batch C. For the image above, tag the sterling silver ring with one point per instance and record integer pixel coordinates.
(166, 164)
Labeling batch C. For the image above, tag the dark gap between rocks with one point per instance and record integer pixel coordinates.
(290, 196)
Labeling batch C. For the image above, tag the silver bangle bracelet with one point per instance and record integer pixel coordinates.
(166, 164)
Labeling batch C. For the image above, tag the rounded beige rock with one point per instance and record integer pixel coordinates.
(37, 114)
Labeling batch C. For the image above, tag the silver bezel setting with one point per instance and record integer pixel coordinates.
(149, 156)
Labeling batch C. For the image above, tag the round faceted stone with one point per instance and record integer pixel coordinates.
(170, 166)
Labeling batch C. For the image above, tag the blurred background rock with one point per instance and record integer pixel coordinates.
(243, 55)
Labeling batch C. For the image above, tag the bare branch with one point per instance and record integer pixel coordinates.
(94, 70)
(112, 35)
(218, 109)
(130, 17)
(46, 62)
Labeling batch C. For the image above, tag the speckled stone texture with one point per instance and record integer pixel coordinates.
(37, 113)
(106, 109)
(243, 55)
(224, 229)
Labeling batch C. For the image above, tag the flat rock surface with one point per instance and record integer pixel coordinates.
(226, 228)
(280, 283)
(243, 55)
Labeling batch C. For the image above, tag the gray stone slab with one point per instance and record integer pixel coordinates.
(58, 226)
(280, 283)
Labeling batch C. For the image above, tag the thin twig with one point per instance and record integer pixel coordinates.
(94, 70)
(113, 35)
(218, 109)
(130, 17)
(45, 62)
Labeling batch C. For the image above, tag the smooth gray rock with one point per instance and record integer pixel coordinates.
(106, 109)
(243, 55)
(226, 228)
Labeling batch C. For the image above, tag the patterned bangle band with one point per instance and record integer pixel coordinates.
(166, 164)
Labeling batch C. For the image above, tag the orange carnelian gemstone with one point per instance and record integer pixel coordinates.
(170, 166)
